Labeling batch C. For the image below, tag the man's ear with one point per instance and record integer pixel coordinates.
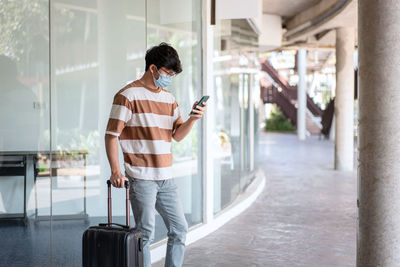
(153, 68)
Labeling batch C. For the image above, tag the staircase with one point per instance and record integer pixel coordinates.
(271, 94)
(279, 92)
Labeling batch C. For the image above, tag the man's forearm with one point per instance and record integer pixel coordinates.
(111, 143)
(183, 130)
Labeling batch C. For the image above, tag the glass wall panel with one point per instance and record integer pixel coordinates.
(97, 48)
(24, 133)
(249, 106)
(227, 154)
(235, 66)
(183, 31)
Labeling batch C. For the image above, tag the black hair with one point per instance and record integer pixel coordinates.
(163, 55)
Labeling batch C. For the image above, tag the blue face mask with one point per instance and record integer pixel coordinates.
(163, 80)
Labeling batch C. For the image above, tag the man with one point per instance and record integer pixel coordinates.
(145, 117)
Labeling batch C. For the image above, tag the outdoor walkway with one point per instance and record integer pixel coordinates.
(306, 215)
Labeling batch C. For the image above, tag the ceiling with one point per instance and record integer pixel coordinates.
(287, 8)
(312, 23)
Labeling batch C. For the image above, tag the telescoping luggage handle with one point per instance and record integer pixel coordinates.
(127, 205)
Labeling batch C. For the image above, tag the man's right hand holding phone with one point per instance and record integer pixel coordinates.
(197, 111)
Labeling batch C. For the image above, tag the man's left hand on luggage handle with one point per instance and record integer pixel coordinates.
(118, 180)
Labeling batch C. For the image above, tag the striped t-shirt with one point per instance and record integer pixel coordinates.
(144, 120)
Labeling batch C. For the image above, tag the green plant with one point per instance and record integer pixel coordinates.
(71, 143)
(278, 121)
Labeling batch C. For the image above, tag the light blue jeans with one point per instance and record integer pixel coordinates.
(146, 197)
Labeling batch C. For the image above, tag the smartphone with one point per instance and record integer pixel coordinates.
(201, 101)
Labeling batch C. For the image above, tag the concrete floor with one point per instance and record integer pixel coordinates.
(306, 215)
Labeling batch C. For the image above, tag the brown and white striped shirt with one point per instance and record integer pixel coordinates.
(145, 120)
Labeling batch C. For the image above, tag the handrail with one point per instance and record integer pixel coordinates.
(271, 94)
(289, 91)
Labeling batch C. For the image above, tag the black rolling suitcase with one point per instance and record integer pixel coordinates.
(111, 244)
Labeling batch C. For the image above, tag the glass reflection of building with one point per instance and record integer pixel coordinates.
(61, 62)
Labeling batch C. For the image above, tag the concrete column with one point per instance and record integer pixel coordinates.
(378, 240)
(344, 102)
(301, 94)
